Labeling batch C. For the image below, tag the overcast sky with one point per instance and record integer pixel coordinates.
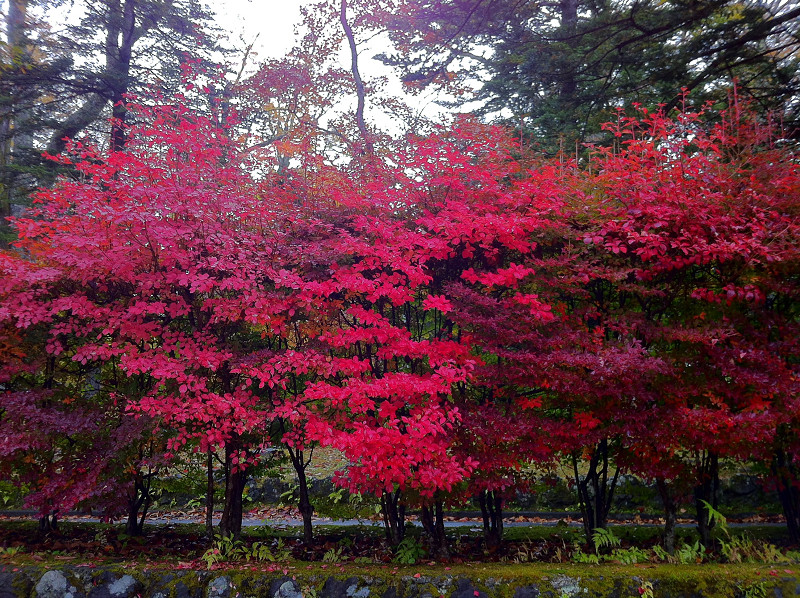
(272, 22)
(271, 25)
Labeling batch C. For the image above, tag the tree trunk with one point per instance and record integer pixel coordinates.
(306, 508)
(360, 89)
(595, 490)
(49, 522)
(707, 489)
(786, 477)
(210, 494)
(17, 28)
(569, 25)
(492, 511)
(15, 137)
(433, 524)
(670, 514)
(126, 21)
(5, 178)
(394, 516)
(132, 525)
(121, 36)
(139, 504)
(231, 523)
(119, 51)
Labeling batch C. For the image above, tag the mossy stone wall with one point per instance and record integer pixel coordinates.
(513, 581)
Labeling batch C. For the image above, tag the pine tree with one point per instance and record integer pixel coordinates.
(560, 69)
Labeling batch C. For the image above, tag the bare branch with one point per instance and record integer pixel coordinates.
(360, 90)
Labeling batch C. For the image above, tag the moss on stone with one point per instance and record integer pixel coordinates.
(422, 581)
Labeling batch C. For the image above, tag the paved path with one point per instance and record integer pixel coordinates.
(283, 518)
(472, 525)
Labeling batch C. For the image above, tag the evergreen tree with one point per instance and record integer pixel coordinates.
(56, 85)
(561, 68)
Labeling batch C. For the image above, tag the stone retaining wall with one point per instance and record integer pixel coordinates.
(708, 581)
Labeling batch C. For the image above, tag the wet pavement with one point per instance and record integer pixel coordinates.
(287, 517)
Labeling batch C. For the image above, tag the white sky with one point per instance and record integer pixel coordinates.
(272, 21)
(271, 25)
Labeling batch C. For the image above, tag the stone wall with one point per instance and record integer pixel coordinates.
(520, 581)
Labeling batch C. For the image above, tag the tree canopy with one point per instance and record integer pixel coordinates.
(560, 69)
(212, 275)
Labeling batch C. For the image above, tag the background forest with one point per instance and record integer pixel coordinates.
(206, 255)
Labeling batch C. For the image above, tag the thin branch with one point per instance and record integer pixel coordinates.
(360, 90)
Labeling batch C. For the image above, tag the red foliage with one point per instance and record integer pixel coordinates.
(445, 315)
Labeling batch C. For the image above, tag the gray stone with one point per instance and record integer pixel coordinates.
(13, 585)
(124, 587)
(112, 587)
(465, 589)
(285, 588)
(220, 587)
(353, 591)
(527, 592)
(566, 586)
(334, 588)
(53, 584)
(183, 591)
(443, 585)
(99, 591)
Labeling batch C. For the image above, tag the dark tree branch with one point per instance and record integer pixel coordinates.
(360, 90)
